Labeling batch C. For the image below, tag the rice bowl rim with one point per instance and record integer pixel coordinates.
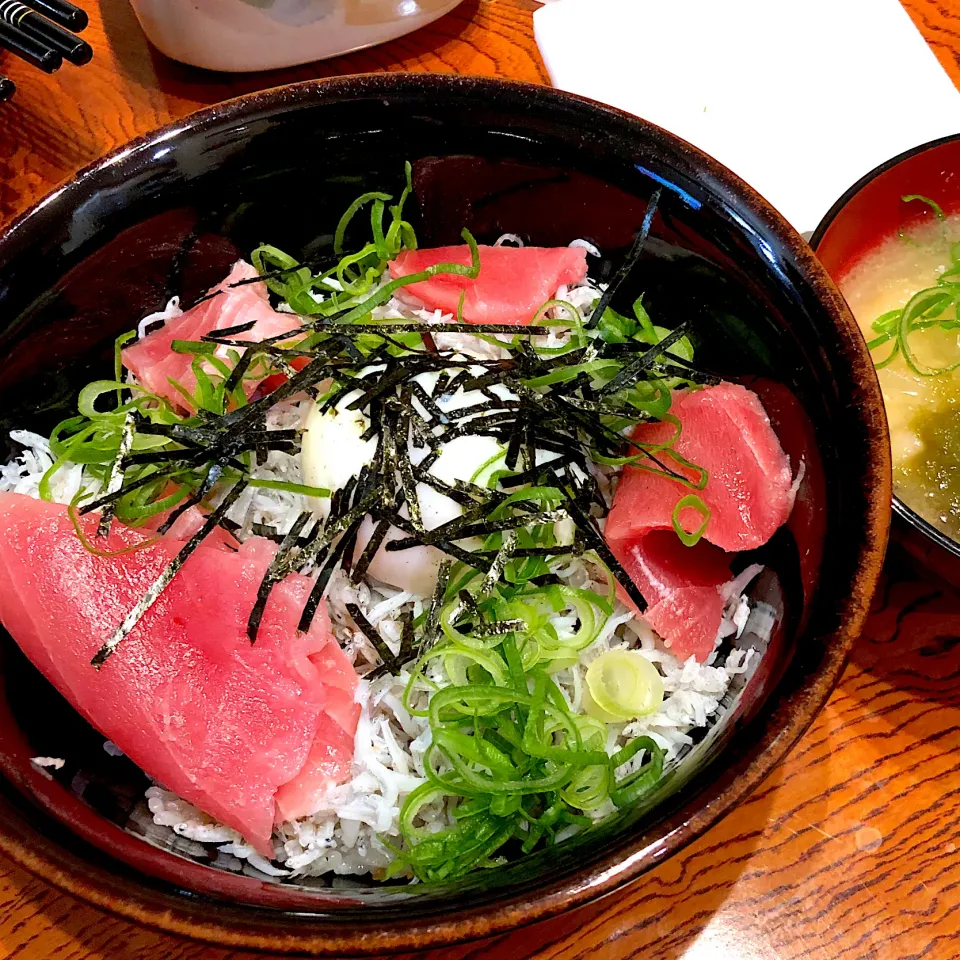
(153, 902)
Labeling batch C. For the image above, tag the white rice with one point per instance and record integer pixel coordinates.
(55, 763)
(342, 837)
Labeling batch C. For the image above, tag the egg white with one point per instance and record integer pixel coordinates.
(333, 451)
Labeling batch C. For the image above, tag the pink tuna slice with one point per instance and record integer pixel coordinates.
(680, 585)
(247, 733)
(190, 522)
(750, 495)
(514, 282)
(153, 361)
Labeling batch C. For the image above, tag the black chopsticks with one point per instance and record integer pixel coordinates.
(62, 13)
(67, 44)
(28, 48)
(43, 33)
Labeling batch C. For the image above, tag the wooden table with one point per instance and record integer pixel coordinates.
(850, 850)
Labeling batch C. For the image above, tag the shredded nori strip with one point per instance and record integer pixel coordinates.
(629, 374)
(267, 531)
(481, 529)
(158, 586)
(239, 371)
(334, 528)
(532, 475)
(196, 303)
(692, 374)
(629, 263)
(446, 531)
(334, 557)
(468, 557)
(455, 494)
(208, 444)
(278, 569)
(523, 553)
(231, 331)
(387, 659)
(116, 472)
(350, 349)
(348, 545)
(313, 372)
(499, 563)
(382, 385)
(404, 326)
(376, 417)
(369, 551)
(497, 628)
(496, 404)
(405, 654)
(596, 541)
(432, 625)
(109, 498)
(513, 447)
(213, 475)
(428, 403)
(408, 481)
(424, 436)
(470, 605)
(453, 383)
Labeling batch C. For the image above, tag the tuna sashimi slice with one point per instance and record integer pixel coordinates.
(727, 432)
(225, 724)
(514, 282)
(153, 361)
(750, 495)
(681, 586)
(190, 522)
(323, 767)
(328, 763)
(691, 616)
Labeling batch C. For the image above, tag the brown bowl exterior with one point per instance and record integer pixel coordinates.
(494, 156)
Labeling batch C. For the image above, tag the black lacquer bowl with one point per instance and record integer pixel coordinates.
(169, 213)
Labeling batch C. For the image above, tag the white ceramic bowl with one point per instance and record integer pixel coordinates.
(241, 35)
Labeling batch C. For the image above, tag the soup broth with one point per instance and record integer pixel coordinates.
(922, 410)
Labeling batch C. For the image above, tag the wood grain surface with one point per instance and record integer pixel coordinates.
(850, 851)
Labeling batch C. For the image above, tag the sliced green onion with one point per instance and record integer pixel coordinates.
(629, 790)
(90, 547)
(932, 204)
(690, 502)
(623, 685)
(351, 212)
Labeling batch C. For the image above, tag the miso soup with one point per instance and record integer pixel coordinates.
(917, 365)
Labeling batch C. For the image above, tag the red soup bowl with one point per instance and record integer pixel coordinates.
(870, 212)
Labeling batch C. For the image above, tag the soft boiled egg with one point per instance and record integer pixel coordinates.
(333, 450)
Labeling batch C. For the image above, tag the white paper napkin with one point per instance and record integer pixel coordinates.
(799, 97)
